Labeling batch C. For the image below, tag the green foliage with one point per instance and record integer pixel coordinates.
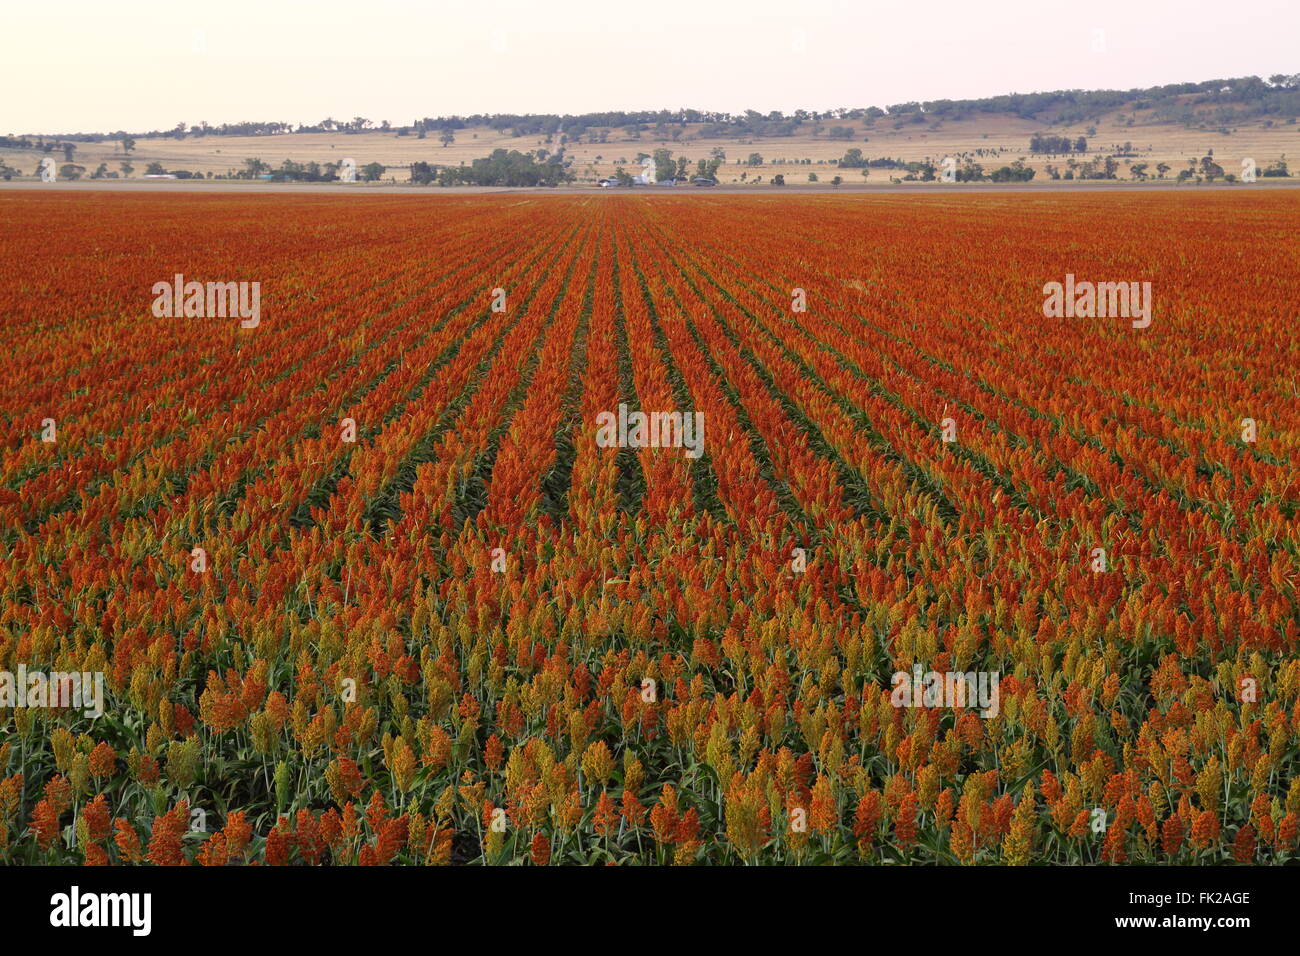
(507, 168)
(1017, 172)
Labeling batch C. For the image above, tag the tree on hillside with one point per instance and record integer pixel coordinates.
(128, 144)
(69, 150)
(665, 168)
(853, 159)
(372, 171)
(1043, 143)
(707, 168)
(127, 169)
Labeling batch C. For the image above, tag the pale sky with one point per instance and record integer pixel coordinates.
(79, 65)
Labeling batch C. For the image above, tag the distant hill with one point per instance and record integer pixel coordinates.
(1176, 126)
(1217, 102)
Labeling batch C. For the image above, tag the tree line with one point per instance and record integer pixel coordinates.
(501, 168)
(1043, 143)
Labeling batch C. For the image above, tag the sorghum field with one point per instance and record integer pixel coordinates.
(367, 583)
